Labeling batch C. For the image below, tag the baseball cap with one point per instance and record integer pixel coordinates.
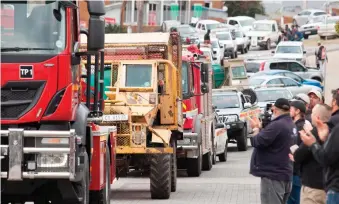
(282, 103)
(302, 97)
(315, 92)
(298, 105)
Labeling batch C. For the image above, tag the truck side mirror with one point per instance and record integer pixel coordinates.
(96, 25)
(219, 125)
(204, 73)
(96, 8)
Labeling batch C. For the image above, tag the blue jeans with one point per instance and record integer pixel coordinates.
(295, 193)
(332, 197)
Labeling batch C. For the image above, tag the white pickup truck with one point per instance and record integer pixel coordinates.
(264, 33)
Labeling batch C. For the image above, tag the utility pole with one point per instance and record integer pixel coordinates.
(140, 5)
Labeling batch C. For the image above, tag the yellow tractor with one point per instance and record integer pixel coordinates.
(143, 100)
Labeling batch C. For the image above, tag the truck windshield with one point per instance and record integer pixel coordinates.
(248, 22)
(288, 49)
(226, 101)
(262, 26)
(138, 75)
(184, 74)
(273, 94)
(33, 27)
(223, 36)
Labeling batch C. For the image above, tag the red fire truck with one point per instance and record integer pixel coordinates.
(52, 150)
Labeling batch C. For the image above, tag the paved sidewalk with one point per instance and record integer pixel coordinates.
(226, 183)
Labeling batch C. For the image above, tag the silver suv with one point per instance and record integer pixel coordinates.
(293, 66)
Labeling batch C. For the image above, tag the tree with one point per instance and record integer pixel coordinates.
(337, 27)
(115, 29)
(244, 8)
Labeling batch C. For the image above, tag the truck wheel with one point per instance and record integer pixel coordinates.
(160, 176)
(207, 161)
(103, 196)
(194, 165)
(236, 54)
(223, 156)
(268, 44)
(233, 55)
(305, 37)
(82, 187)
(242, 139)
(174, 167)
(246, 50)
(242, 51)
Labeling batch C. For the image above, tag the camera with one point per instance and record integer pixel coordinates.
(267, 115)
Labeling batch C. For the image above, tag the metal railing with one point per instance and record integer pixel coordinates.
(15, 151)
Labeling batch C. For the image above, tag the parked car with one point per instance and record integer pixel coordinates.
(253, 66)
(187, 33)
(309, 15)
(293, 66)
(218, 51)
(327, 28)
(290, 50)
(266, 95)
(243, 43)
(227, 41)
(291, 75)
(310, 28)
(244, 23)
(270, 81)
(203, 25)
(264, 33)
(208, 53)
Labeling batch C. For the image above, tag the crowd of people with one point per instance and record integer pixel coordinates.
(297, 154)
(288, 34)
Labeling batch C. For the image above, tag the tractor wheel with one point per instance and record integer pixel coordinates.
(103, 196)
(160, 176)
(242, 140)
(223, 156)
(174, 167)
(194, 165)
(207, 161)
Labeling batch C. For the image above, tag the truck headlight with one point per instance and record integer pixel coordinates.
(52, 160)
(261, 38)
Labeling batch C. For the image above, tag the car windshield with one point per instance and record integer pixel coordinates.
(213, 26)
(331, 20)
(288, 49)
(226, 101)
(37, 27)
(238, 34)
(215, 44)
(238, 72)
(184, 74)
(138, 75)
(185, 29)
(252, 67)
(223, 36)
(254, 81)
(273, 94)
(262, 27)
(248, 22)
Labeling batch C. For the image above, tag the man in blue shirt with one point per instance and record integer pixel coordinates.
(270, 158)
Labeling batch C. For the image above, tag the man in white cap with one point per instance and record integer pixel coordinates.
(306, 100)
(315, 98)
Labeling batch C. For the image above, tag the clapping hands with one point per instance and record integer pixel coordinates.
(255, 123)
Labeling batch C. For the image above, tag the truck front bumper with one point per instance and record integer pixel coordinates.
(19, 168)
(189, 146)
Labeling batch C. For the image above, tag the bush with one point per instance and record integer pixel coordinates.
(115, 29)
(337, 27)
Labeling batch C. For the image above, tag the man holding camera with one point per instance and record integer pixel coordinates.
(270, 159)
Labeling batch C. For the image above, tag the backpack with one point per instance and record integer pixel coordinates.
(323, 54)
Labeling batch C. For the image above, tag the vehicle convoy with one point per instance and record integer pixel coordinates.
(145, 105)
(234, 102)
(50, 140)
(244, 23)
(264, 33)
(204, 139)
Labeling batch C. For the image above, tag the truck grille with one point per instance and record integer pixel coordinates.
(18, 97)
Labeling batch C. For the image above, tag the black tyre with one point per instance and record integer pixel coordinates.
(246, 50)
(103, 196)
(223, 156)
(207, 161)
(306, 37)
(242, 51)
(82, 187)
(194, 166)
(174, 167)
(160, 176)
(236, 54)
(268, 44)
(242, 140)
(233, 55)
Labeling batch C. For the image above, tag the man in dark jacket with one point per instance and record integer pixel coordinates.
(312, 177)
(207, 38)
(297, 112)
(270, 160)
(335, 109)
